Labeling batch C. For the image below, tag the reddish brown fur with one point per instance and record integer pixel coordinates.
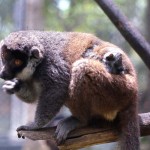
(78, 43)
(98, 83)
(96, 92)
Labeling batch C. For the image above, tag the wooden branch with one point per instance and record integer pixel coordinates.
(87, 136)
(130, 33)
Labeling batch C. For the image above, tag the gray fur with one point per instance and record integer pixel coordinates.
(45, 78)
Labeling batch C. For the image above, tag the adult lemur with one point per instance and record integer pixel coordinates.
(93, 78)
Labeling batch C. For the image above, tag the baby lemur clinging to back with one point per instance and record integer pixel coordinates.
(93, 78)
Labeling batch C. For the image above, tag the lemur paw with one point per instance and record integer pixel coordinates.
(20, 135)
(30, 127)
(61, 132)
(64, 127)
(24, 127)
(11, 86)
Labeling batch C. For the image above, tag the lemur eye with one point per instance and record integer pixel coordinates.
(18, 62)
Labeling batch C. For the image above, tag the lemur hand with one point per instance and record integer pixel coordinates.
(12, 86)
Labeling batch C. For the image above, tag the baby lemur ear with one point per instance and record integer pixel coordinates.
(36, 53)
(110, 57)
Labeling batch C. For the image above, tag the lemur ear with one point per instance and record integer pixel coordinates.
(4, 52)
(2, 46)
(110, 57)
(36, 53)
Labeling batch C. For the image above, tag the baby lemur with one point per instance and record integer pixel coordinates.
(93, 78)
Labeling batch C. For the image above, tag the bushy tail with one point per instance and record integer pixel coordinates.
(130, 130)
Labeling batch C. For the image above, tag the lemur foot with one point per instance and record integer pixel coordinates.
(64, 127)
(20, 135)
(30, 127)
(11, 86)
(113, 62)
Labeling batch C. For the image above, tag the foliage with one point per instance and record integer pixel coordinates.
(6, 21)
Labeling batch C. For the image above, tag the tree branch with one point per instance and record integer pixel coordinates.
(130, 33)
(88, 136)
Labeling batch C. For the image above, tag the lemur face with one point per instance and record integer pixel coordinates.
(13, 62)
(18, 63)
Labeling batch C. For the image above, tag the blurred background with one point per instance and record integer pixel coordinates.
(68, 15)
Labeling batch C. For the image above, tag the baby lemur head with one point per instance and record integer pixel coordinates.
(20, 54)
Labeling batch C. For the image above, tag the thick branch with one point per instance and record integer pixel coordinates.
(130, 33)
(87, 136)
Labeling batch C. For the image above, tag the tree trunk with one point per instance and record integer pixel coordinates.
(34, 15)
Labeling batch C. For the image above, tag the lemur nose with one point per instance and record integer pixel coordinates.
(5, 75)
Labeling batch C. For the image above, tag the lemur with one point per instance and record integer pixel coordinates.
(93, 78)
